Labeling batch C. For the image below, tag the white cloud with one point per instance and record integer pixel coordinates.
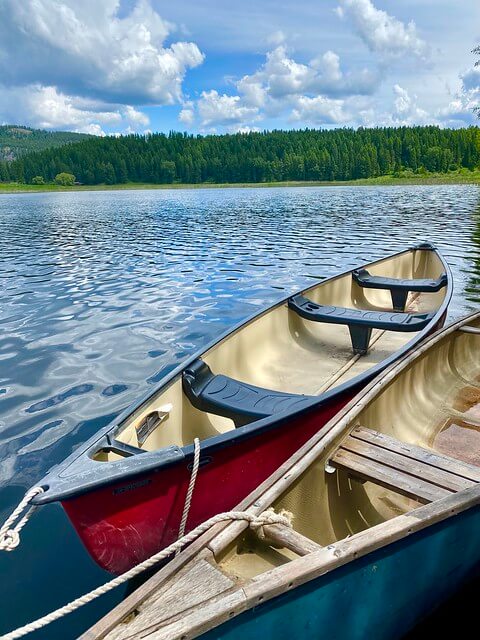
(282, 76)
(381, 32)
(460, 110)
(85, 48)
(304, 91)
(187, 114)
(406, 109)
(47, 108)
(92, 129)
(81, 65)
(135, 117)
(215, 109)
(319, 111)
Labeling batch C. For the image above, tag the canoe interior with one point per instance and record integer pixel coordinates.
(423, 424)
(281, 351)
(434, 404)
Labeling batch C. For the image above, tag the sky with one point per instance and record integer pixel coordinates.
(204, 66)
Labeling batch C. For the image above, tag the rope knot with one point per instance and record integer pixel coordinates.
(9, 540)
(10, 530)
(269, 516)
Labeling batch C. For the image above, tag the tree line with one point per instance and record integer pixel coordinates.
(337, 154)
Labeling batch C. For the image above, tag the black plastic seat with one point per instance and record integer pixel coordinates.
(359, 321)
(241, 402)
(399, 288)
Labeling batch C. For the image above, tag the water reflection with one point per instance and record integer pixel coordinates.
(102, 293)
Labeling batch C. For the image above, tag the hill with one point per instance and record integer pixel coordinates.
(16, 141)
(308, 155)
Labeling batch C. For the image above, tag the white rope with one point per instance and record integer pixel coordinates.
(10, 530)
(191, 486)
(255, 522)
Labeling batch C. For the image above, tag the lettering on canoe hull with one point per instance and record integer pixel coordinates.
(131, 487)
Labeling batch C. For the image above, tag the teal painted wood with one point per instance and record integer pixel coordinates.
(380, 596)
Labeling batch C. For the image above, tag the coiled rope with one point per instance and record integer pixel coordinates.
(255, 522)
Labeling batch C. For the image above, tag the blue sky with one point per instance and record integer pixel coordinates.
(115, 66)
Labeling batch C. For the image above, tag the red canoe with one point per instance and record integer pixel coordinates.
(253, 398)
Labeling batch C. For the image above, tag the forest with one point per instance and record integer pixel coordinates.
(306, 155)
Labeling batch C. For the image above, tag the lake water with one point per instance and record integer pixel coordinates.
(103, 292)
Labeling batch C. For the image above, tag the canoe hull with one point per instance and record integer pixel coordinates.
(124, 523)
(382, 595)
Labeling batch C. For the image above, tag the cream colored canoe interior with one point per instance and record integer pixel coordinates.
(416, 442)
(281, 351)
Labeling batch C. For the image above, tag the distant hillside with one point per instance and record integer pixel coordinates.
(16, 141)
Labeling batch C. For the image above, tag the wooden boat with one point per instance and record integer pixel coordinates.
(252, 398)
(386, 518)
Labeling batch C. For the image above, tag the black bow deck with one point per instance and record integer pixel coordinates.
(399, 287)
(242, 402)
(359, 321)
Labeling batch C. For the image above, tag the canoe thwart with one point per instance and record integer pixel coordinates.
(409, 470)
(399, 287)
(240, 401)
(467, 329)
(286, 538)
(359, 321)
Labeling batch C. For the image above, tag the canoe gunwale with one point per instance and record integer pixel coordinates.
(79, 473)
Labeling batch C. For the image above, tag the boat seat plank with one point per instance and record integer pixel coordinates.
(397, 481)
(428, 457)
(411, 466)
(407, 469)
(399, 287)
(287, 538)
(240, 401)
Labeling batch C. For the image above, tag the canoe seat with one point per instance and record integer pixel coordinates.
(399, 288)
(360, 322)
(412, 471)
(241, 402)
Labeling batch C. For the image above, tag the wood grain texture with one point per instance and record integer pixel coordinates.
(439, 461)
(412, 466)
(286, 538)
(402, 483)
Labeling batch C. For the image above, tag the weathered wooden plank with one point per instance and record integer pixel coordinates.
(288, 538)
(387, 477)
(154, 585)
(197, 583)
(411, 466)
(198, 620)
(452, 465)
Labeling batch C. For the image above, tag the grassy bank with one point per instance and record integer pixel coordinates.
(455, 177)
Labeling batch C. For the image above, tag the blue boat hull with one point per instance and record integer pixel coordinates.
(380, 596)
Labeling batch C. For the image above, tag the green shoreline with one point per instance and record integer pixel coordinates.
(464, 177)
